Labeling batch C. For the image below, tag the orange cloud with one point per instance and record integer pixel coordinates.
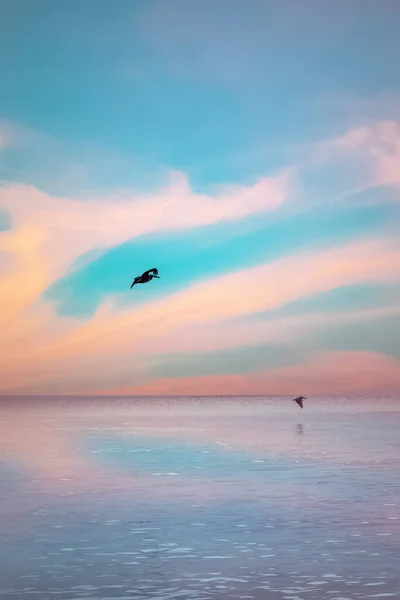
(49, 369)
(48, 234)
(114, 344)
(328, 373)
(260, 288)
(29, 274)
(72, 227)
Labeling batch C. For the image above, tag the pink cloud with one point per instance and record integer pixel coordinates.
(379, 145)
(117, 346)
(28, 275)
(47, 368)
(224, 335)
(71, 227)
(50, 233)
(260, 288)
(364, 157)
(327, 373)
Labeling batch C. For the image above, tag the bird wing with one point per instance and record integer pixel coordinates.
(150, 271)
(136, 280)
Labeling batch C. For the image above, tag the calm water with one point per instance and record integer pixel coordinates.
(197, 498)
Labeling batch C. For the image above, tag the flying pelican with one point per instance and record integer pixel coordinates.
(146, 277)
(299, 400)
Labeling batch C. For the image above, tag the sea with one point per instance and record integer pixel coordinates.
(199, 498)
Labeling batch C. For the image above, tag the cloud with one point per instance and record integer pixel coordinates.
(257, 289)
(190, 256)
(378, 145)
(223, 347)
(49, 234)
(378, 332)
(72, 227)
(29, 274)
(327, 373)
(359, 167)
(124, 345)
(44, 365)
(252, 343)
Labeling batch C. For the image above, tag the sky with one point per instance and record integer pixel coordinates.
(248, 150)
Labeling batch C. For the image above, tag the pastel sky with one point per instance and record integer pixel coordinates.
(248, 150)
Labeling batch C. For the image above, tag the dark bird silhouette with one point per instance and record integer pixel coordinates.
(299, 400)
(146, 277)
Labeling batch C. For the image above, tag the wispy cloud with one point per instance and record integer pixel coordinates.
(252, 290)
(117, 344)
(73, 227)
(374, 150)
(379, 144)
(217, 141)
(49, 234)
(29, 274)
(326, 373)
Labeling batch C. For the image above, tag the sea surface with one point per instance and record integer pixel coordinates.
(199, 498)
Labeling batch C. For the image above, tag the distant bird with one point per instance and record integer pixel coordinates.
(146, 277)
(299, 400)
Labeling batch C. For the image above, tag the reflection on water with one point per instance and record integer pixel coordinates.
(300, 428)
(199, 498)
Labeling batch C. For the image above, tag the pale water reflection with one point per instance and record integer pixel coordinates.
(200, 499)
